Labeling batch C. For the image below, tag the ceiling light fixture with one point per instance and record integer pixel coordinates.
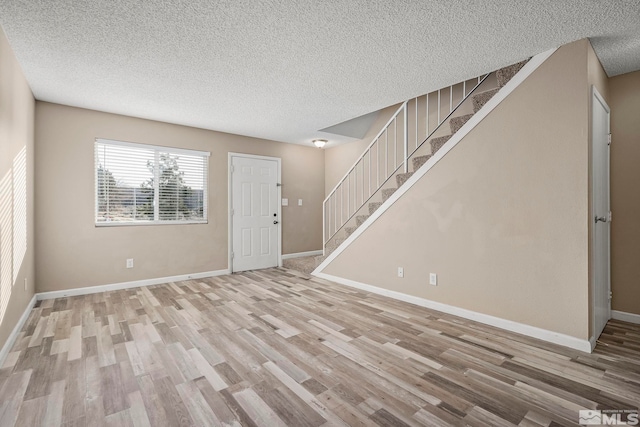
(319, 142)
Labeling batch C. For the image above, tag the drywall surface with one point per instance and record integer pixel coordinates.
(72, 252)
(625, 203)
(502, 219)
(17, 108)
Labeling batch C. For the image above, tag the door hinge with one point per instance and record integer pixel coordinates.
(609, 139)
(610, 215)
(233, 212)
(610, 295)
(232, 255)
(233, 169)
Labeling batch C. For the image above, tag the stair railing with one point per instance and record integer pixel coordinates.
(358, 185)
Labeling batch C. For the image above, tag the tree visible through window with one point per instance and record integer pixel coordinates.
(137, 183)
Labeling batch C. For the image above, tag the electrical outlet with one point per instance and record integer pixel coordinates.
(400, 272)
(299, 202)
(129, 262)
(433, 279)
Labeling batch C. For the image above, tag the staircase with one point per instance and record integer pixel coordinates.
(367, 202)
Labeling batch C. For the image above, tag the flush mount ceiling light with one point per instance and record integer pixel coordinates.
(319, 142)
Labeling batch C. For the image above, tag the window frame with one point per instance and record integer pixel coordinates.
(157, 149)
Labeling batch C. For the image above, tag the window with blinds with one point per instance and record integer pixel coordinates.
(146, 184)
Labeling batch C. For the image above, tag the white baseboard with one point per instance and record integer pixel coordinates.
(11, 339)
(127, 285)
(520, 328)
(301, 254)
(625, 317)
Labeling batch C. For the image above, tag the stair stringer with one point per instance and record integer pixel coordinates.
(502, 94)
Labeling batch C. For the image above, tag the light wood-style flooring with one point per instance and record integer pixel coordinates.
(275, 348)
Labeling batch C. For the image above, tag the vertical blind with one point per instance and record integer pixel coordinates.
(139, 183)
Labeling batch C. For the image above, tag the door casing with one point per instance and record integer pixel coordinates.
(597, 102)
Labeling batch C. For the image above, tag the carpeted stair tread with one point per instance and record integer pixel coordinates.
(387, 192)
(350, 230)
(482, 98)
(329, 249)
(373, 206)
(505, 74)
(319, 258)
(419, 161)
(303, 264)
(360, 219)
(457, 122)
(437, 143)
(401, 178)
(332, 246)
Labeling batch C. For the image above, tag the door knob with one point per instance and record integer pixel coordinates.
(275, 222)
(600, 218)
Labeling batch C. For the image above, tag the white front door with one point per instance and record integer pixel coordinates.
(255, 219)
(601, 213)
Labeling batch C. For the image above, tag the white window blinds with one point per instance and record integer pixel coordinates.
(138, 183)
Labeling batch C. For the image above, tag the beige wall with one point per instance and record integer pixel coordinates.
(71, 252)
(625, 199)
(596, 74)
(16, 198)
(503, 218)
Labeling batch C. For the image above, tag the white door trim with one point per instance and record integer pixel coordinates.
(596, 97)
(278, 160)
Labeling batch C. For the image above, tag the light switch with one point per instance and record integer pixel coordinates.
(433, 279)
(299, 202)
(285, 202)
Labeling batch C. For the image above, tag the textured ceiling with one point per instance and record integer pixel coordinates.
(282, 70)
